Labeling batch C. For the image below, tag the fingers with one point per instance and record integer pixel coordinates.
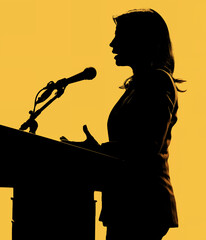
(90, 142)
(86, 131)
(63, 139)
(90, 139)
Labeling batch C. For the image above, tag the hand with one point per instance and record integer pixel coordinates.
(90, 142)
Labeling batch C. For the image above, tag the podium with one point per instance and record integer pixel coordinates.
(54, 184)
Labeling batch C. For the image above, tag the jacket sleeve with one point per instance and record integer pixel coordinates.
(160, 106)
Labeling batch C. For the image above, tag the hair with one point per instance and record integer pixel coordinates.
(148, 28)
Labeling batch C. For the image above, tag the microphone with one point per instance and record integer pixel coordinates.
(87, 74)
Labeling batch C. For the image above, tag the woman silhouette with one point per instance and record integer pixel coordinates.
(140, 203)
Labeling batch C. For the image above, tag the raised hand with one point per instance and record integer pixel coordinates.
(90, 142)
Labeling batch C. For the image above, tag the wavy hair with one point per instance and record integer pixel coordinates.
(148, 28)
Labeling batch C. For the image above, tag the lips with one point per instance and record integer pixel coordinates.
(114, 52)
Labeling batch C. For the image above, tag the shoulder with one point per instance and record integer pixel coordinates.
(161, 90)
(162, 81)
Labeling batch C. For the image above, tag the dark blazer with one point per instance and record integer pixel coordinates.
(139, 128)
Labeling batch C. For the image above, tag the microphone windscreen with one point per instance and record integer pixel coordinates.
(90, 73)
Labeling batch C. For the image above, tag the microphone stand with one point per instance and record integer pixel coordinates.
(60, 85)
(31, 123)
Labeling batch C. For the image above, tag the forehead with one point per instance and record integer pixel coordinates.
(125, 29)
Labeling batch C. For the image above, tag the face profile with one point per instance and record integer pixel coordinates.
(120, 47)
(127, 49)
(142, 41)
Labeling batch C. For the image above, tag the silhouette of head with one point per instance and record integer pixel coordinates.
(142, 41)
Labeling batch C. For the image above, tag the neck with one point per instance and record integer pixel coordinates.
(140, 70)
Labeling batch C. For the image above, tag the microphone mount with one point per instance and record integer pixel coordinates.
(31, 123)
(60, 85)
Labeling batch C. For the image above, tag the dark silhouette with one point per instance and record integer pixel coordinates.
(53, 185)
(60, 86)
(139, 203)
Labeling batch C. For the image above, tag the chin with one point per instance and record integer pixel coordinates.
(120, 62)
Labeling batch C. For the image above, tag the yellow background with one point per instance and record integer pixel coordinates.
(46, 40)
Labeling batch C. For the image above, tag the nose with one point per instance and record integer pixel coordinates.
(112, 43)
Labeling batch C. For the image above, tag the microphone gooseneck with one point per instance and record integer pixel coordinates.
(87, 74)
(60, 85)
